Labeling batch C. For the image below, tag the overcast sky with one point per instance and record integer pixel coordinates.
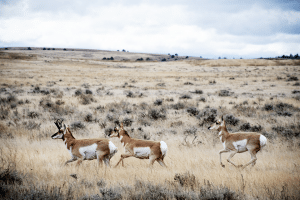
(207, 28)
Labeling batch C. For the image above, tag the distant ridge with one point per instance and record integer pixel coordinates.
(50, 49)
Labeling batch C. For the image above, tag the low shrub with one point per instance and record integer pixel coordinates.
(296, 84)
(203, 99)
(77, 125)
(10, 176)
(178, 106)
(207, 116)
(127, 122)
(185, 96)
(111, 193)
(158, 102)
(161, 84)
(292, 78)
(78, 92)
(193, 111)
(225, 93)
(32, 114)
(212, 82)
(198, 92)
(281, 109)
(129, 94)
(88, 117)
(108, 131)
(247, 127)
(86, 99)
(288, 132)
(230, 119)
(157, 114)
(268, 107)
(88, 92)
(186, 180)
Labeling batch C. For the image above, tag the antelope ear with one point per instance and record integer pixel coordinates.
(222, 118)
(65, 129)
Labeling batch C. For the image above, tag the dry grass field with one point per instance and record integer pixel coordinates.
(174, 101)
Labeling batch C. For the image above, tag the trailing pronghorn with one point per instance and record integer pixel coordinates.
(238, 142)
(85, 149)
(142, 149)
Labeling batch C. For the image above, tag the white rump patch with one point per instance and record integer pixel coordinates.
(141, 152)
(112, 148)
(88, 152)
(163, 148)
(263, 140)
(240, 145)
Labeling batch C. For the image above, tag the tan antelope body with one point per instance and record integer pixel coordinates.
(85, 149)
(239, 142)
(142, 149)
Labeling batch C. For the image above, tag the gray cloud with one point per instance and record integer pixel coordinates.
(207, 28)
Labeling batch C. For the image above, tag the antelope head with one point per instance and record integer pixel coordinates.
(116, 131)
(217, 125)
(61, 130)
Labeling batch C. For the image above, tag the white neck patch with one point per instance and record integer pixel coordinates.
(220, 133)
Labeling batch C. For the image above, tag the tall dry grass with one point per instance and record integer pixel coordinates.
(40, 165)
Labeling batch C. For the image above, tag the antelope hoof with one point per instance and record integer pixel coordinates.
(223, 165)
(239, 166)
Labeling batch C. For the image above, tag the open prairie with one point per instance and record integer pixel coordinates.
(174, 101)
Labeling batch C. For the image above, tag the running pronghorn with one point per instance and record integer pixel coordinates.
(238, 142)
(85, 149)
(142, 149)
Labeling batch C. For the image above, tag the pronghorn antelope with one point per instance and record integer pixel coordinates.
(142, 149)
(85, 149)
(238, 142)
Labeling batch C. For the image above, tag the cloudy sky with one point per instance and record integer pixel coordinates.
(207, 28)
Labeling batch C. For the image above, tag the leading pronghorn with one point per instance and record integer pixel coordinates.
(142, 149)
(85, 149)
(238, 142)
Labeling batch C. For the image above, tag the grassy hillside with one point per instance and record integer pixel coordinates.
(174, 101)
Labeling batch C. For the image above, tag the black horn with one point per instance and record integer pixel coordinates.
(58, 123)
